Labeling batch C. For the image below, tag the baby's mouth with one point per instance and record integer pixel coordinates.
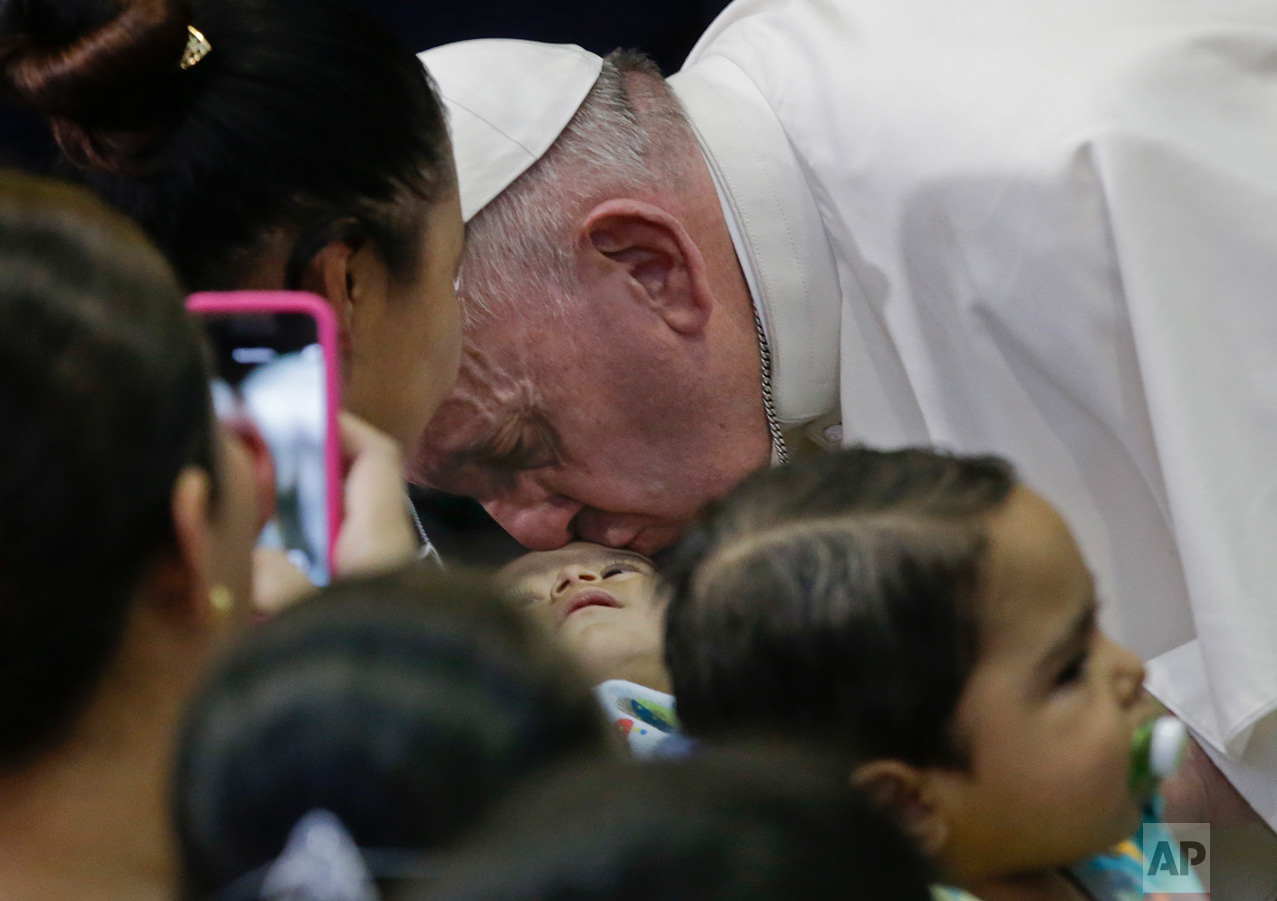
(589, 598)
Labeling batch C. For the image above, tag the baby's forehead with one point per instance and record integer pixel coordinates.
(582, 553)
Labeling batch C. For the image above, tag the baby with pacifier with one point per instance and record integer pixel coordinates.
(604, 605)
(932, 618)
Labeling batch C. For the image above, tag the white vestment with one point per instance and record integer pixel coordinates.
(1047, 230)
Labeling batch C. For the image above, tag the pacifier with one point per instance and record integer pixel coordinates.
(1158, 747)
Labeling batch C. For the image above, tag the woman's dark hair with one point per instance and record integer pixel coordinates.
(404, 703)
(103, 400)
(726, 825)
(305, 114)
(836, 600)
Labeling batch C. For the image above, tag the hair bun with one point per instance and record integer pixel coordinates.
(101, 71)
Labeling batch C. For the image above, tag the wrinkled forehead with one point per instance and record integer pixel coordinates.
(547, 563)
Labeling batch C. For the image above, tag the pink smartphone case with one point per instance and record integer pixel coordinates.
(230, 302)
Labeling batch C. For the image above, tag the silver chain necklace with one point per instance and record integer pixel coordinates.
(427, 550)
(780, 453)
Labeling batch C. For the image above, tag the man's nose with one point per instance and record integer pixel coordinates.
(573, 575)
(538, 520)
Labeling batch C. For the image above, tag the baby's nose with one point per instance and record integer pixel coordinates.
(1130, 677)
(574, 574)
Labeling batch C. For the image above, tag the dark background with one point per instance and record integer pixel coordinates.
(664, 29)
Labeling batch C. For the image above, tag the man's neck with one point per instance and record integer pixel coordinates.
(89, 819)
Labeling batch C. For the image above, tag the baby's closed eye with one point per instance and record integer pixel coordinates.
(524, 598)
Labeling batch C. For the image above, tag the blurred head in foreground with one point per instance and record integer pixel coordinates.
(405, 704)
(744, 825)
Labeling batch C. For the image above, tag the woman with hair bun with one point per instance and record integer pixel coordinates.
(267, 144)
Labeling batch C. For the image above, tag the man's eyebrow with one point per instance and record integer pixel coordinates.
(526, 440)
(1077, 634)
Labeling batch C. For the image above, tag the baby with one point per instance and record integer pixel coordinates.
(934, 619)
(604, 606)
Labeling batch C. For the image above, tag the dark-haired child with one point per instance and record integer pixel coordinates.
(932, 617)
(604, 606)
(404, 704)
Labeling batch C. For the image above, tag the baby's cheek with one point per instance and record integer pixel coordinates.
(1109, 779)
(542, 614)
(1083, 768)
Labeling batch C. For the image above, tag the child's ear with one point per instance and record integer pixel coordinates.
(904, 792)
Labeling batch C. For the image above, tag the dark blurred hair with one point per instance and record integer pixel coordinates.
(727, 825)
(305, 114)
(403, 703)
(103, 400)
(836, 599)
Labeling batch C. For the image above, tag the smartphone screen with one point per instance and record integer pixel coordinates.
(271, 369)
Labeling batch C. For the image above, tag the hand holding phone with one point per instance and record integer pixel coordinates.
(377, 532)
(276, 355)
(277, 366)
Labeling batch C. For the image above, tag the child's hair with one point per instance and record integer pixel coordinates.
(103, 401)
(835, 599)
(403, 703)
(740, 824)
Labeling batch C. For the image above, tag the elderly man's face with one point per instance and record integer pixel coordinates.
(563, 431)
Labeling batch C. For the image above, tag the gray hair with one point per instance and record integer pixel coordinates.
(623, 141)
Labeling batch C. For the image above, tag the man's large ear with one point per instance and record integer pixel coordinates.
(903, 791)
(651, 252)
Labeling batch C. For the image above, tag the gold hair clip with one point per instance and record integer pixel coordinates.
(197, 47)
